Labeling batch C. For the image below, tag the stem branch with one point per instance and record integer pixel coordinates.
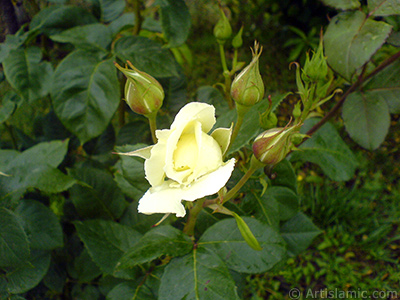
(193, 213)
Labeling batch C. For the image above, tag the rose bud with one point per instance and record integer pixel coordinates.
(248, 88)
(316, 68)
(272, 146)
(222, 30)
(143, 93)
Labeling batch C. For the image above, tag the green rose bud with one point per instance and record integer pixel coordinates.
(316, 68)
(222, 30)
(268, 121)
(272, 146)
(237, 41)
(248, 88)
(143, 93)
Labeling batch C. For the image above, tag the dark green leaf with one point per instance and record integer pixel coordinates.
(104, 144)
(298, 233)
(95, 37)
(55, 19)
(327, 149)
(30, 77)
(27, 276)
(175, 21)
(106, 241)
(162, 240)
(211, 95)
(131, 291)
(146, 55)
(100, 197)
(350, 41)
(12, 42)
(84, 268)
(41, 225)
(85, 94)
(127, 20)
(9, 104)
(384, 7)
(138, 221)
(198, 275)
(14, 246)
(224, 238)
(109, 9)
(342, 4)
(35, 167)
(133, 133)
(367, 119)
(283, 175)
(386, 85)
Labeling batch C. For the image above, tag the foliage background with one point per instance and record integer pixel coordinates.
(70, 181)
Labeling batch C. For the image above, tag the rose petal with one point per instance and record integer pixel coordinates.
(162, 199)
(202, 112)
(209, 184)
(223, 137)
(153, 166)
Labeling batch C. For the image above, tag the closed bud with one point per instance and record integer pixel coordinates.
(272, 146)
(222, 30)
(237, 41)
(143, 93)
(316, 68)
(248, 88)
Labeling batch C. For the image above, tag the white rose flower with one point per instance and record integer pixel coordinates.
(186, 163)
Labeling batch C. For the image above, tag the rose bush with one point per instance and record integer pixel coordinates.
(187, 162)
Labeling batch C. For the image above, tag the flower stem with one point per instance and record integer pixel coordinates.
(138, 17)
(153, 125)
(254, 166)
(223, 59)
(241, 112)
(194, 212)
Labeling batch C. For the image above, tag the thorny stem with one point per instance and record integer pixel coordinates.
(223, 59)
(352, 88)
(193, 213)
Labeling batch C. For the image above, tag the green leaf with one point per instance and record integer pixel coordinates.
(133, 133)
(100, 197)
(162, 240)
(384, 7)
(386, 85)
(14, 246)
(350, 41)
(298, 233)
(23, 278)
(175, 21)
(342, 4)
(12, 42)
(327, 149)
(41, 225)
(276, 204)
(146, 55)
(213, 96)
(133, 172)
(225, 239)
(85, 94)
(84, 269)
(30, 77)
(367, 119)
(55, 19)
(198, 275)
(109, 9)
(106, 241)
(95, 37)
(124, 22)
(284, 175)
(11, 101)
(35, 167)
